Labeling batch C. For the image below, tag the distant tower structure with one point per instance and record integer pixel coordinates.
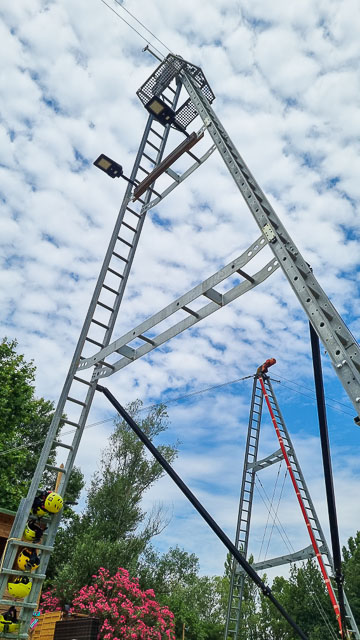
(176, 95)
(252, 466)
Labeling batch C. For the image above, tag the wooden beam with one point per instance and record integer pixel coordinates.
(166, 163)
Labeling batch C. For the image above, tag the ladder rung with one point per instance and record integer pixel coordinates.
(100, 324)
(83, 404)
(98, 344)
(147, 339)
(125, 242)
(17, 572)
(62, 444)
(106, 364)
(153, 146)
(105, 306)
(116, 273)
(129, 226)
(149, 158)
(133, 212)
(156, 133)
(164, 97)
(70, 422)
(82, 380)
(117, 255)
(144, 170)
(106, 286)
(52, 468)
(16, 603)
(193, 156)
(192, 313)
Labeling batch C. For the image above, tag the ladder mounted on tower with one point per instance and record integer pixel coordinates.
(263, 391)
(96, 354)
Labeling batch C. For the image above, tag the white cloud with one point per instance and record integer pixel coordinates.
(287, 91)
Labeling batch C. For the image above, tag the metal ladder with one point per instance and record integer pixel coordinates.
(78, 392)
(251, 467)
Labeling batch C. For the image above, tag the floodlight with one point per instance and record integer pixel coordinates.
(160, 110)
(163, 113)
(112, 168)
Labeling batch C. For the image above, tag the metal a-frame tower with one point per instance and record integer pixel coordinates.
(96, 356)
(263, 389)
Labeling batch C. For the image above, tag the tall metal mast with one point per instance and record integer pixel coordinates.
(263, 389)
(95, 351)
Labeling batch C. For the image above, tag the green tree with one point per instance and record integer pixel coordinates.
(351, 566)
(24, 423)
(305, 598)
(195, 600)
(114, 530)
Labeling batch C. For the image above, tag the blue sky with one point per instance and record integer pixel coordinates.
(287, 90)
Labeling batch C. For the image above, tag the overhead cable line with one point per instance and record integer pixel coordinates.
(133, 28)
(144, 26)
(185, 397)
(152, 406)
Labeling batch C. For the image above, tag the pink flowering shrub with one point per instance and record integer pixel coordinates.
(49, 602)
(125, 611)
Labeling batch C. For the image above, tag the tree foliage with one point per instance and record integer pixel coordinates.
(24, 423)
(195, 600)
(114, 530)
(351, 566)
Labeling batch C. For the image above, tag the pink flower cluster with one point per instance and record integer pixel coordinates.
(125, 611)
(49, 602)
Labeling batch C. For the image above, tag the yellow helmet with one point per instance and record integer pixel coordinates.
(27, 560)
(39, 512)
(29, 534)
(9, 621)
(53, 502)
(19, 587)
(33, 531)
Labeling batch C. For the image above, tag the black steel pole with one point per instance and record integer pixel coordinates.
(199, 507)
(328, 475)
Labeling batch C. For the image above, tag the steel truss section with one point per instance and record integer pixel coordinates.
(338, 341)
(252, 466)
(205, 290)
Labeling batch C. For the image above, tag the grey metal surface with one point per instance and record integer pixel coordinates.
(338, 341)
(205, 290)
(251, 467)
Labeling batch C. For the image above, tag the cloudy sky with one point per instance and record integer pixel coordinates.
(286, 81)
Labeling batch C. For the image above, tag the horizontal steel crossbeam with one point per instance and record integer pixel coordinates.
(205, 289)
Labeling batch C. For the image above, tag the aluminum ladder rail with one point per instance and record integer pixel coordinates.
(338, 341)
(252, 466)
(78, 392)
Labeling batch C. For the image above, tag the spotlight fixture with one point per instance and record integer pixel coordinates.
(112, 168)
(163, 113)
